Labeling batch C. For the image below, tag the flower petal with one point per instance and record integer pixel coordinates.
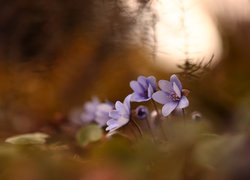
(168, 108)
(113, 124)
(102, 120)
(112, 127)
(102, 113)
(137, 88)
(183, 103)
(114, 114)
(119, 106)
(142, 80)
(122, 121)
(161, 97)
(126, 103)
(175, 79)
(137, 98)
(150, 91)
(111, 121)
(152, 81)
(89, 107)
(104, 107)
(165, 86)
(176, 89)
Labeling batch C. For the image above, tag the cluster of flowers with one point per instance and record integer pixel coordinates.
(169, 93)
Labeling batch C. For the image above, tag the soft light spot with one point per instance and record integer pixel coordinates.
(184, 31)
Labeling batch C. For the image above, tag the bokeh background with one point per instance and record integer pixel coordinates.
(57, 54)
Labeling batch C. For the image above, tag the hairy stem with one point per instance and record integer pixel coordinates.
(150, 129)
(183, 114)
(159, 117)
(137, 127)
(155, 106)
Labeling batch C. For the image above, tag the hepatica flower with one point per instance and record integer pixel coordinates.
(171, 95)
(89, 110)
(120, 116)
(143, 88)
(102, 113)
(95, 111)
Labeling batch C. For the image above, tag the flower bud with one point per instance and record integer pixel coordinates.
(141, 112)
(196, 116)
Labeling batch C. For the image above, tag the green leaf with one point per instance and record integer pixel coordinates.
(32, 138)
(88, 134)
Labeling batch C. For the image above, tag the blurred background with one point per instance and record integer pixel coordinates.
(55, 55)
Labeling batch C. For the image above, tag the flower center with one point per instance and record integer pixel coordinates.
(145, 94)
(175, 97)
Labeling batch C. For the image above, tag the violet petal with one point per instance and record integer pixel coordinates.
(168, 108)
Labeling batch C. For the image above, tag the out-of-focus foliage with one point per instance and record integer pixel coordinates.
(33, 138)
(193, 151)
(88, 134)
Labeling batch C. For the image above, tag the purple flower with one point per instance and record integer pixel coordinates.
(141, 112)
(96, 111)
(102, 113)
(171, 95)
(143, 88)
(89, 110)
(120, 116)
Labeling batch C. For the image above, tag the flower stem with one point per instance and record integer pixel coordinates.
(124, 135)
(137, 127)
(184, 116)
(157, 111)
(183, 113)
(159, 117)
(150, 129)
